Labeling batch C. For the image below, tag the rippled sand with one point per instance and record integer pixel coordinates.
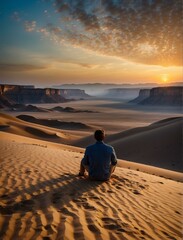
(41, 197)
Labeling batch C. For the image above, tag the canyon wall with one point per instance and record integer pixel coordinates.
(167, 96)
(143, 94)
(24, 94)
(19, 94)
(74, 94)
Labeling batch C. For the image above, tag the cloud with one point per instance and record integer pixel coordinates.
(148, 32)
(81, 64)
(6, 67)
(30, 26)
(78, 10)
(86, 65)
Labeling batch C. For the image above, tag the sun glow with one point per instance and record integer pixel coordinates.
(165, 77)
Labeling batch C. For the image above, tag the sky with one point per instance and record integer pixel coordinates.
(50, 42)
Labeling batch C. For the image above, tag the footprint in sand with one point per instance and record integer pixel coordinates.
(80, 200)
(95, 197)
(119, 186)
(178, 212)
(87, 206)
(137, 192)
(110, 191)
(65, 211)
(112, 224)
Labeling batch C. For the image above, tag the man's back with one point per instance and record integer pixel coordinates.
(99, 157)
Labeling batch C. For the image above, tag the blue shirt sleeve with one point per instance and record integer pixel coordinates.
(85, 159)
(113, 157)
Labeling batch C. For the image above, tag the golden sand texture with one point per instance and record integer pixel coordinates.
(41, 197)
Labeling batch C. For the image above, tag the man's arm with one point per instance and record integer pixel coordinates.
(113, 157)
(85, 159)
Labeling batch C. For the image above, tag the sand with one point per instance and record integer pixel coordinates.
(42, 197)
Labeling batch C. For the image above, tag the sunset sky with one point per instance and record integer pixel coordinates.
(48, 42)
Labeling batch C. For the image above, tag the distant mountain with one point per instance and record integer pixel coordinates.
(98, 89)
(122, 93)
(101, 89)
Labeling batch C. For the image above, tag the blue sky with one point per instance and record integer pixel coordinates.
(47, 42)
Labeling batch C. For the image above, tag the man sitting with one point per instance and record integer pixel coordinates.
(99, 159)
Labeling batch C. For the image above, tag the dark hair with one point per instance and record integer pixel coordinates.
(99, 134)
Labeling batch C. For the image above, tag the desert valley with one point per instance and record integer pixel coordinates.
(88, 87)
(42, 144)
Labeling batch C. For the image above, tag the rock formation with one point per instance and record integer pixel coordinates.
(25, 94)
(160, 96)
(143, 94)
(74, 94)
(167, 96)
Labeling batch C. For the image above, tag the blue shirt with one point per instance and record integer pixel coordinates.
(99, 157)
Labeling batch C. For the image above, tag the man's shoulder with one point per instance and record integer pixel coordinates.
(90, 146)
(108, 146)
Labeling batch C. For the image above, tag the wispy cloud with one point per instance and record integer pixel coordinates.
(7, 67)
(76, 63)
(85, 65)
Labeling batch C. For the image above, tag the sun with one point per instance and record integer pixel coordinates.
(164, 77)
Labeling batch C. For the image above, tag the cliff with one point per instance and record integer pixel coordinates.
(74, 94)
(167, 96)
(23, 94)
(143, 94)
(4, 103)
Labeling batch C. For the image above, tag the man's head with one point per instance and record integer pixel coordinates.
(99, 135)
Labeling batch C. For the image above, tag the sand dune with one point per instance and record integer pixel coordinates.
(159, 144)
(41, 197)
(32, 108)
(70, 109)
(16, 126)
(55, 123)
(40, 133)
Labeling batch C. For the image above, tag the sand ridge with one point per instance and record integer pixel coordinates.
(41, 197)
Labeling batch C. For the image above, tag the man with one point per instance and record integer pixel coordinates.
(99, 159)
